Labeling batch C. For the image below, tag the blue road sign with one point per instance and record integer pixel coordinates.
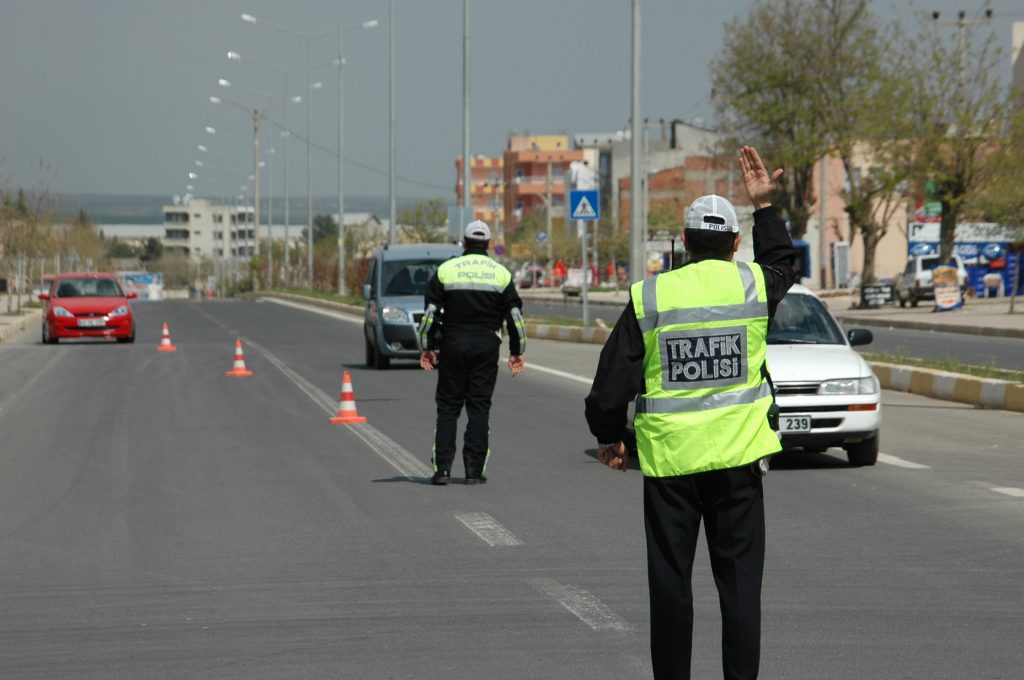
(584, 205)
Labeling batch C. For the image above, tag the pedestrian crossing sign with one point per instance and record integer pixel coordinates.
(584, 204)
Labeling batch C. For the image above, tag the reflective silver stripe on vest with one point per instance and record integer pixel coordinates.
(749, 284)
(489, 287)
(712, 401)
(520, 323)
(751, 308)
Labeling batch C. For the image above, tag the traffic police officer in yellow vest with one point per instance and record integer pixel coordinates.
(690, 348)
(467, 300)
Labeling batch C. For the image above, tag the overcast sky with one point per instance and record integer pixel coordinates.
(112, 96)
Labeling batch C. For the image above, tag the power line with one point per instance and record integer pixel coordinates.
(363, 166)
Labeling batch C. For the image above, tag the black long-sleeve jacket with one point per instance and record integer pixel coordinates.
(620, 370)
(472, 312)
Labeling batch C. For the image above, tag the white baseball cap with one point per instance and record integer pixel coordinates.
(713, 213)
(478, 230)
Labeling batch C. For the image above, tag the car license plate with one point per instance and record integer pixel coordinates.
(794, 424)
(91, 323)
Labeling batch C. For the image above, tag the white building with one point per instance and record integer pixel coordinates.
(200, 228)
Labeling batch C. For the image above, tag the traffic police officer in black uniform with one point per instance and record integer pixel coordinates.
(691, 345)
(467, 300)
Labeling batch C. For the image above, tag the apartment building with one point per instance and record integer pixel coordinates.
(200, 228)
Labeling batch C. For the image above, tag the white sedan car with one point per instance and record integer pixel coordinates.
(827, 394)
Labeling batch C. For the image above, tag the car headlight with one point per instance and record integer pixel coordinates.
(848, 386)
(120, 311)
(60, 311)
(394, 315)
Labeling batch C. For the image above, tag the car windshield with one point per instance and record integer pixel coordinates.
(803, 319)
(407, 277)
(88, 287)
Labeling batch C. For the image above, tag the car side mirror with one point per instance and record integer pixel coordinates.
(132, 295)
(44, 296)
(860, 336)
(366, 291)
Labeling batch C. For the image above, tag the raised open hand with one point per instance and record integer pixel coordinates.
(758, 182)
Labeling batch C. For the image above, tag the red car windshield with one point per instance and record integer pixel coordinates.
(88, 287)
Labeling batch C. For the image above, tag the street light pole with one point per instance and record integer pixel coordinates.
(310, 86)
(638, 230)
(391, 121)
(467, 174)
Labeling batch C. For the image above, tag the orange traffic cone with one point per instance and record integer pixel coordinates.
(238, 369)
(165, 342)
(347, 404)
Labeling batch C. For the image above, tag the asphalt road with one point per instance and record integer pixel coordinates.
(998, 352)
(161, 520)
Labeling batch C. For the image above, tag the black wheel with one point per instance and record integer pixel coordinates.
(863, 453)
(374, 358)
(371, 355)
(381, 361)
(47, 340)
(128, 338)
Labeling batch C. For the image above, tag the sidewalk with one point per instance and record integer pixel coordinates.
(977, 317)
(11, 322)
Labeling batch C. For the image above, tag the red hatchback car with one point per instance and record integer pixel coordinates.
(87, 306)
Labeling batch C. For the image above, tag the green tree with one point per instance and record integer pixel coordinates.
(425, 222)
(759, 78)
(325, 227)
(963, 111)
(152, 250)
(859, 99)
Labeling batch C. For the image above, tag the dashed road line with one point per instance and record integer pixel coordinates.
(488, 529)
(1009, 491)
(341, 316)
(583, 605)
(393, 453)
(899, 462)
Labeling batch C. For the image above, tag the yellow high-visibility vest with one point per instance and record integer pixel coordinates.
(705, 401)
(473, 272)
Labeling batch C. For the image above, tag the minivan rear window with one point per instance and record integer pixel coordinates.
(407, 277)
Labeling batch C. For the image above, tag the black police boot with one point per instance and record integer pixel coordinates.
(441, 477)
(477, 479)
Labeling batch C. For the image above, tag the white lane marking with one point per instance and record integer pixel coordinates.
(488, 529)
(351, 318)
(393, 453)
(1009, 491)
(27, 385)
(899, 462)
(582, 604)
(555, 371)
(341, 316)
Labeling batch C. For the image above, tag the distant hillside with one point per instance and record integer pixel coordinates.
(116, 209)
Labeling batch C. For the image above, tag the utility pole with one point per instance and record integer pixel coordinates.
(467, 174)
(638, 230)
(962, 22)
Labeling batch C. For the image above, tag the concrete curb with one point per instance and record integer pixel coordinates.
(850, 320)
(18, 324)
(966, 389)
(981, 392)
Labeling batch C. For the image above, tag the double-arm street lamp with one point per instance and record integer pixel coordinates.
(257, 117)
(309, 38)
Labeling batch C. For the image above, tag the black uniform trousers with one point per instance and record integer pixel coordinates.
(731, 503)
(467, 372)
